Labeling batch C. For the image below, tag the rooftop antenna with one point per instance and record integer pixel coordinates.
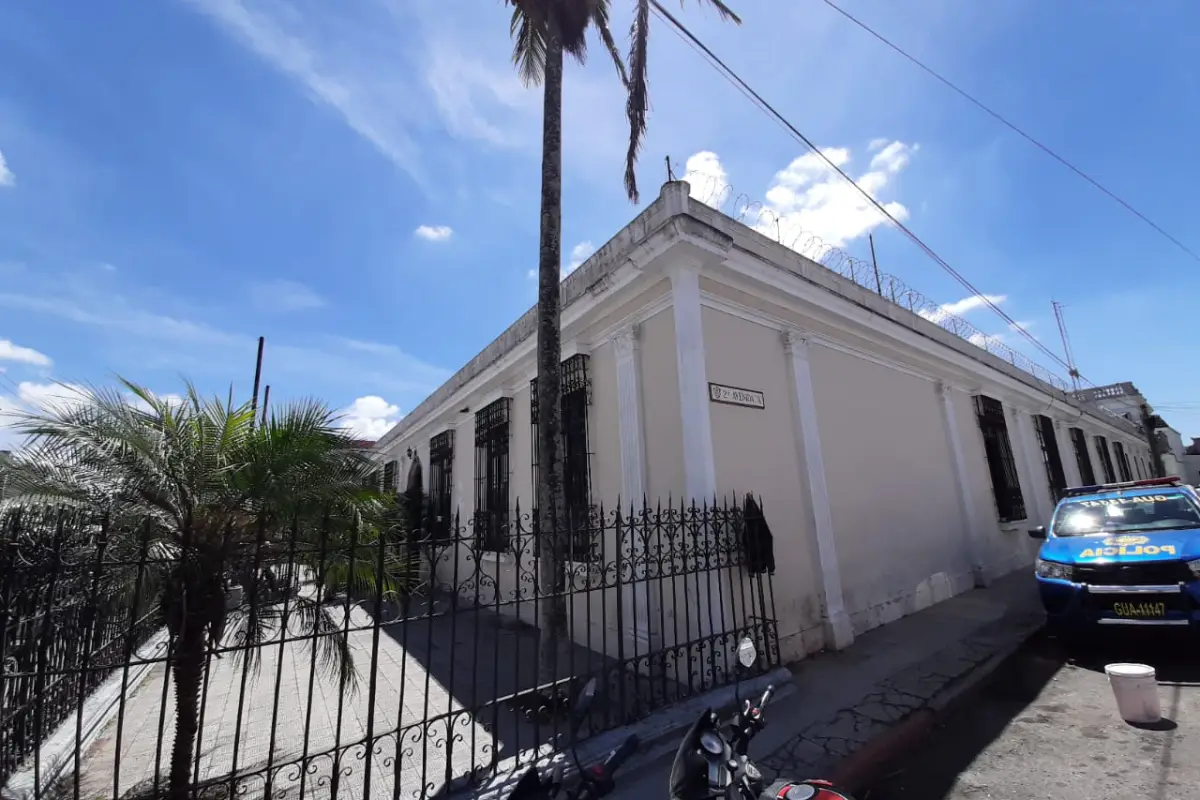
(1066, 341)
(670, 172)
(257, 377)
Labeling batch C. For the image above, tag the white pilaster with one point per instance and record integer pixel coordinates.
(839, 631)
(1066, 452)
(700, 472)
(958, 462)
(1022, 421)
(636, 596)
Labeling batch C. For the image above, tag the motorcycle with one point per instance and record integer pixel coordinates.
(712, 761)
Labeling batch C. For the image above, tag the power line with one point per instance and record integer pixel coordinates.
(1013, 127)
(758, 100)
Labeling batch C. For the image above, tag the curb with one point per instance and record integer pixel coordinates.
(865, 765)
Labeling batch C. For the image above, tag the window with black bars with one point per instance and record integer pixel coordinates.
(389, 476)
(491, 476)
(1006, 485)
(576, 397)
(1122, 461)
(373, 479)
(1106, 463)
(441, 483)
(1087, 475)
(1043, 426)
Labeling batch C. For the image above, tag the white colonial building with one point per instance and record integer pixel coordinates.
(898, 464)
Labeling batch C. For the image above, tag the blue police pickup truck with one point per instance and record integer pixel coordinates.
(1122, 554)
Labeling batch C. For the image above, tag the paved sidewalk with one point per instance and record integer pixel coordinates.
(846, 699)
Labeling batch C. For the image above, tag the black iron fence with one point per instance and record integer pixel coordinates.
(351, 662)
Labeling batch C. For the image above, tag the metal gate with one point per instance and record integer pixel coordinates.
(339, 673)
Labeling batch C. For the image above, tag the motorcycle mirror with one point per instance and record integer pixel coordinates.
(747, 653)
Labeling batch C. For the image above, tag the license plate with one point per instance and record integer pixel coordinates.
(1139, 610)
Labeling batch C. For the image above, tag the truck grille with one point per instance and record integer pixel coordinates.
(1153, 573)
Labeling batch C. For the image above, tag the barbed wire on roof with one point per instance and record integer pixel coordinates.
(717, 193)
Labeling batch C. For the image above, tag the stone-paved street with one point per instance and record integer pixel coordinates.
(1046, 725)
(427, 675)
(817, 749)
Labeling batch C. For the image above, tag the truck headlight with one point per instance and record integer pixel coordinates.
(1194, 566)
(1062, 572)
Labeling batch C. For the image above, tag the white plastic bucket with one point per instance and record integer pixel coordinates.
(1136, 690)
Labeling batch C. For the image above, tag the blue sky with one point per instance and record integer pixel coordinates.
(357, 181)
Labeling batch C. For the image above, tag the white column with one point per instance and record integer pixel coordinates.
(839, 632)
(635, 597)
(699, 467)
(958, 462)
(700, 472)
(1066, 452)
(1034, 468)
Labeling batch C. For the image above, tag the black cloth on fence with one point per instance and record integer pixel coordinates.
(757, 541)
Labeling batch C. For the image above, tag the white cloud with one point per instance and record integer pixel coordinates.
(50, 397)
(6, 176)
(23, 355)
(370, 417)
(152, 334)
(477, 101)
(53, 397)
(173, 400)
(707, 178)
(962, 307)
(284, 295)
(434, 233)
(813, 208)
(344, 61)
(579, 254)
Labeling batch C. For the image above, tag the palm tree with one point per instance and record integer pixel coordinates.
(216, 499)
(638, 101)
(542, 31)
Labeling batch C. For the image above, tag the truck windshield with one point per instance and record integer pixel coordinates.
(1146, 512)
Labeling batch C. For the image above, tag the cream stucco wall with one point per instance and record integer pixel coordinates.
(661, 421)
(754, 452)
(901, 539)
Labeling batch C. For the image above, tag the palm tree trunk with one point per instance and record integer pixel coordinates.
(187, 671)
(553, 608)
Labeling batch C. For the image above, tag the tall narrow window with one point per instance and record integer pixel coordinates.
(441, 482)
(491, 476)
(1106, 463)
(389, 476)
(1087, 475)
(1044, 427)
(1006, 485)
(1122, 461)
(576, 397)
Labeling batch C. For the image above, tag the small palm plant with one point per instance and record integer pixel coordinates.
(210, 499)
